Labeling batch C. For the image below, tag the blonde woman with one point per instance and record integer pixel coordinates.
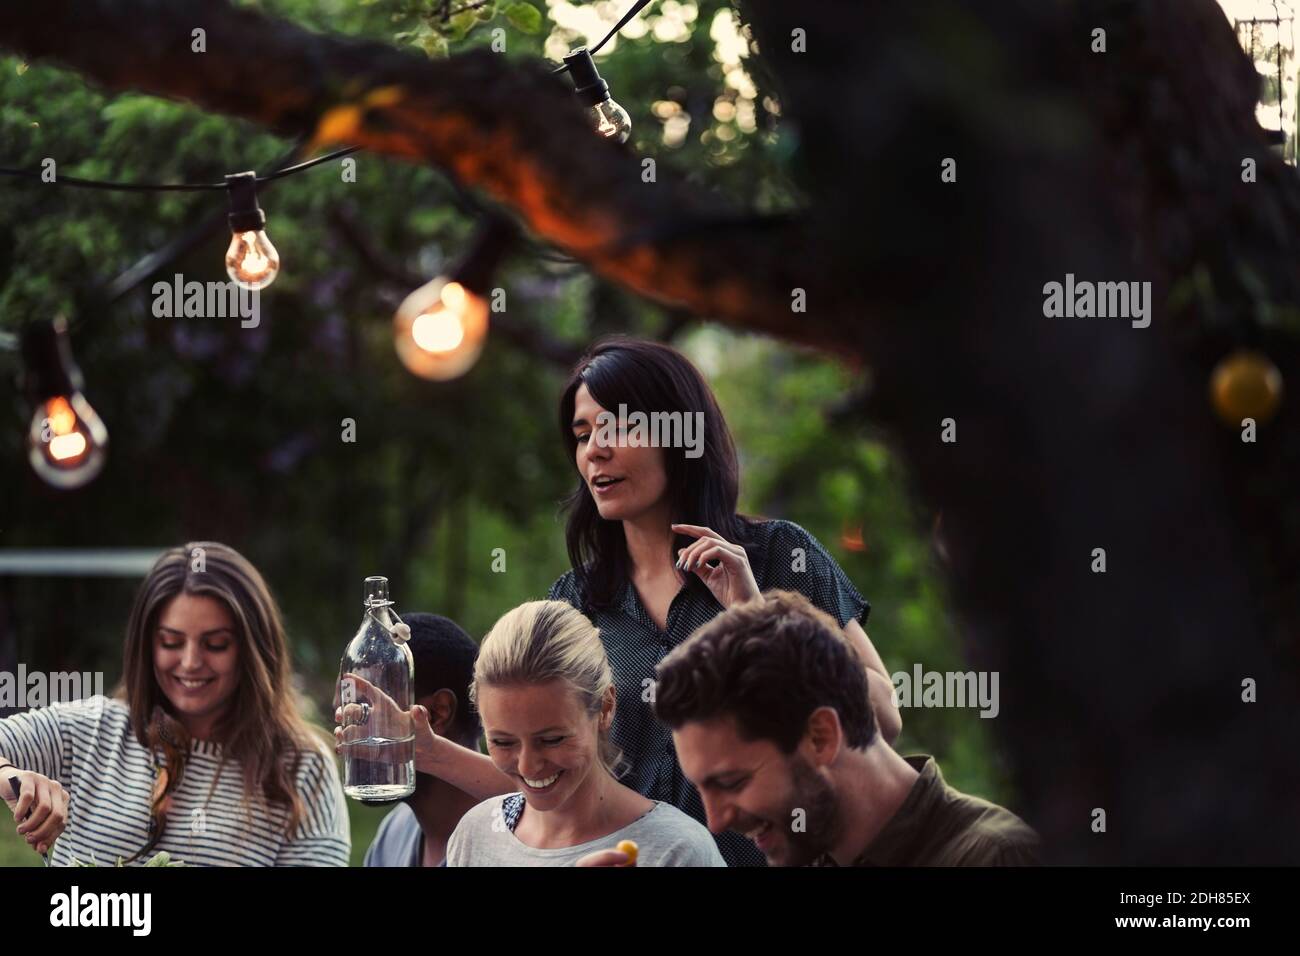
(202, 752)
(546, 697)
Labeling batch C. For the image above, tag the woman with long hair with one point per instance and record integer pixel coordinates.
(201, 752)
(658, 550)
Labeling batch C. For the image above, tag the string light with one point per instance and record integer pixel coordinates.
(252, 262)
(1245, 384)
(67, 442)
(439, 329)
(607, 117)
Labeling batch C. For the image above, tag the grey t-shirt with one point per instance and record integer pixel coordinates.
(664, 837)
(399, 840)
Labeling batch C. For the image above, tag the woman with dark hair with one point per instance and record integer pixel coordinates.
(201, 752)
(658, 551)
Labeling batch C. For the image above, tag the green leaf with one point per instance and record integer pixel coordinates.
(21, 68)
(524, 17)
(434, 45)
(459, 25)
(487, 11)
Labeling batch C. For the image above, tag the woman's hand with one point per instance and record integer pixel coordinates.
(732, 580)
(40, 805)
(373, 712)
(623, 855)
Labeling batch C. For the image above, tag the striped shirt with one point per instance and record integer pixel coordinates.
(783, 556)
(90, 748)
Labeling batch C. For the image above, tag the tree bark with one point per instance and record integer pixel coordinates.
(1121, 691)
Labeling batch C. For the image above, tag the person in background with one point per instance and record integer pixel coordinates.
(415, 832)
(769, 713)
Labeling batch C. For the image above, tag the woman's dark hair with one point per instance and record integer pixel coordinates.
(648, 377)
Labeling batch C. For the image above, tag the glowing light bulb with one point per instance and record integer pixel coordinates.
(67, 442)
(251, 261)
(438, 331)
(440, 328)
(611, 121)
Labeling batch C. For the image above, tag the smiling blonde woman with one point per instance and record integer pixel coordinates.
(546, 697)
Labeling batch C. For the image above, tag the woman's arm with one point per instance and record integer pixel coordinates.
(733, 582)
(323, 836)
(879, 685)
(466, 770)
(32, 743)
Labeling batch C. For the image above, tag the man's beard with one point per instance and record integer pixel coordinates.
(814, 796)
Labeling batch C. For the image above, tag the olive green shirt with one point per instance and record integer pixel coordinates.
(939, 826)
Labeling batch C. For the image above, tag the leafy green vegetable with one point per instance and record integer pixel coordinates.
(161, 858)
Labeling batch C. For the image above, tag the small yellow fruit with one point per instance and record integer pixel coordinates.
(628, 847)
(1246, 384)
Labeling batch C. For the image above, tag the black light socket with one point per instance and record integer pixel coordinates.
(47, 358)
(245, 214)
(591, 89)
(475, 270)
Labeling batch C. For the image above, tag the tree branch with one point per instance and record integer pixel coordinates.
(501, 125)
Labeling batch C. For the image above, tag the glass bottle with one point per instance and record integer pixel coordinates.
(376, 679)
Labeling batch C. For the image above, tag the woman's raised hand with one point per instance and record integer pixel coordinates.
(372, 713)
(731, 580)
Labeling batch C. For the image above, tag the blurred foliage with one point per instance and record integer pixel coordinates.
(224, 433)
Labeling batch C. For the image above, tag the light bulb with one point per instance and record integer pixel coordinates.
(611, 120)
(67, 442)
(440, 328)
(251, 260)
